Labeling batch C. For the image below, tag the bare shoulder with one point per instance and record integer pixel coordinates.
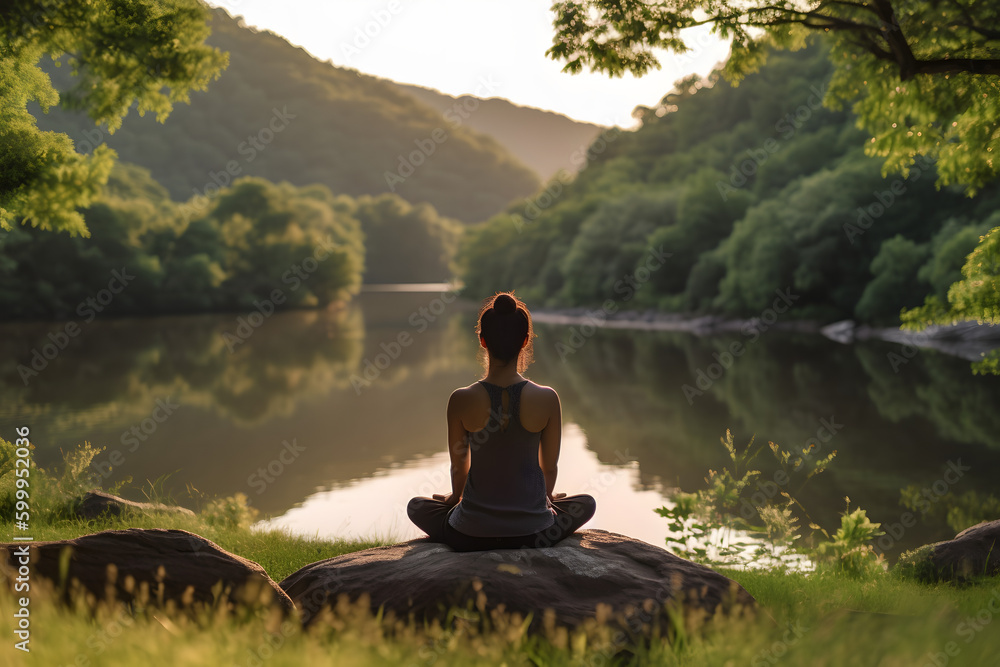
(463, 396)
(540, 393)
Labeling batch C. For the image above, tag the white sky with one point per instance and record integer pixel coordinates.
(455, 45)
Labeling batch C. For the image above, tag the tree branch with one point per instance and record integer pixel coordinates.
(866, 7)
(893, 35)
(955, 65)
(988, 33)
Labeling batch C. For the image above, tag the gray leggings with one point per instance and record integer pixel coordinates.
(431, 516)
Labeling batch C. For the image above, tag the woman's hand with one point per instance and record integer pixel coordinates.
(449, 499)
(554, 497)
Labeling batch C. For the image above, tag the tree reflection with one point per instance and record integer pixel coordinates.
(114, 371)
(625, 390)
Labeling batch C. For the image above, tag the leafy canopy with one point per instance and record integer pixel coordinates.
(145, 52)
(923, 76)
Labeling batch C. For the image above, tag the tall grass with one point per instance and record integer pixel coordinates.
(821, 618)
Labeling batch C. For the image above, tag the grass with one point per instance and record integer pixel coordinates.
(280, 553)
(811, 619)
(821, 619)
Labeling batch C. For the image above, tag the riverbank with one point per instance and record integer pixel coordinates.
(825, 619)
(968, 340)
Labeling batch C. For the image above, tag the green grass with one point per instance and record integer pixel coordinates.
(278, 552)
(812, 619)
(821, 619)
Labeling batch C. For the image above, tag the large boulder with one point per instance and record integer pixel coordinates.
(96, 503)
(189, 567)
(973, 552)
(632, 582)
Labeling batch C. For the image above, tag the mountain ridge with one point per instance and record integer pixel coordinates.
(349, 131)
(569, 134)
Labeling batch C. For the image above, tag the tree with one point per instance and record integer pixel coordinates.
(895, 284)
(975, 297)
(124, 52)
(927, 73)
(924, 77)
(405, 243)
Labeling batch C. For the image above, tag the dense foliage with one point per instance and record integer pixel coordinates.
(405, 243)
(754, 191)
(280, 114)
(148, 254)
(124, 52)
(923, 76)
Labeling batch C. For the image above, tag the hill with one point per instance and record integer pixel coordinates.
(728, 196)
(280, 114)
(543, 140)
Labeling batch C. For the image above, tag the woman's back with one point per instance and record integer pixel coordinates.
(535, 407)
(505, 493)
(504, 435)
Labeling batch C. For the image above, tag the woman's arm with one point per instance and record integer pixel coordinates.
(548, 451)
(458, 448)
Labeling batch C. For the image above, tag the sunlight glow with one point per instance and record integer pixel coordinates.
(453, 46)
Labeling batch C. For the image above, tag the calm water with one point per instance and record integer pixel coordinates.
(290, 417)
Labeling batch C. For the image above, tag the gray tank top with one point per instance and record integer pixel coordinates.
(504, 493)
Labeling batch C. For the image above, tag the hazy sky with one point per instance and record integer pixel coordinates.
(489, 48)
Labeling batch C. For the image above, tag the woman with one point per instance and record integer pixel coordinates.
(503, 434)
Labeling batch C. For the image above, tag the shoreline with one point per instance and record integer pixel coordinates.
(968, 340)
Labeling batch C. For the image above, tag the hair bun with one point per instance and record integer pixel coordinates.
(504, 304)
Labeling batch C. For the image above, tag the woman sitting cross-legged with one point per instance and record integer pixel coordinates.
(503, 433)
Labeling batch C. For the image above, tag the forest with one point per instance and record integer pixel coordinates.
(172, 177)
(751, 189)
(748, 191)
(255, 238)
(338, 128)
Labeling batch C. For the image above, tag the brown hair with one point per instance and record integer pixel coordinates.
(504, 324)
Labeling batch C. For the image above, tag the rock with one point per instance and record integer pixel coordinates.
(841, 332)
(963, 330)
(705, 325)
(593, 567)
(191, 567)
(973, 552)
(96, 503)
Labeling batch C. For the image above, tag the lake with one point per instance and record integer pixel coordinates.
(329, 421)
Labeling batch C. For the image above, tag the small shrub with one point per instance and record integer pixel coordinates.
(231, 512)
(713, 525)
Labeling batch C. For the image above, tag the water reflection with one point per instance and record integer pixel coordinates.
(376, 505)
(889, 430)
(363, 448)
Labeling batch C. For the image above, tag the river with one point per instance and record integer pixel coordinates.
(329, 421)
